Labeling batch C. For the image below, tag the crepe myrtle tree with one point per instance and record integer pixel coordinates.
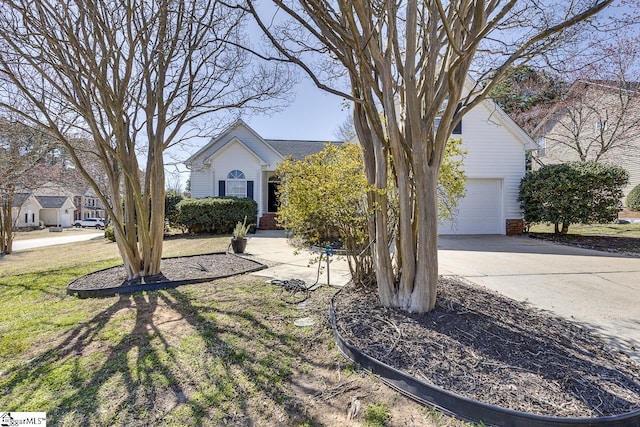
(406, 66)
(128, 76)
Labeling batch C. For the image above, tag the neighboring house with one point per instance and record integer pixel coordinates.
(88, 205)
(29, 210)
(25, 211)
(239, 162)
(597, 120)
(55, 205)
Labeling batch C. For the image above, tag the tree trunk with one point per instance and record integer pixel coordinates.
(6, 224)
(565, 228)
(155, 179)
(423, 297)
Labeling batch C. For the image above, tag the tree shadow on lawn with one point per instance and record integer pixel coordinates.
(164, 357)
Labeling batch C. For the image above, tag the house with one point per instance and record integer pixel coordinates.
(55, 205)
(88, 205)
(239, 162)
(29, 210)
(596, 120)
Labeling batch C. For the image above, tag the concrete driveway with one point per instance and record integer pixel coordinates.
(68, 236)
(598, 290)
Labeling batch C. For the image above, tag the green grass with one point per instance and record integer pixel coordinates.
(194, 355)
(219, 353)
(376, 415)
(619, 230)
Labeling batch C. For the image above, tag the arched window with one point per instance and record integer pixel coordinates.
(236, 184)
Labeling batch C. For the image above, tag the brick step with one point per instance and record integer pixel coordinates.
(268, 222)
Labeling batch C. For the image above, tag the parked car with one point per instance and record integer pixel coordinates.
(90, 222)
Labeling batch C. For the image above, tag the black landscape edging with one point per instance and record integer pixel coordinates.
(464, 407)
(154, 285)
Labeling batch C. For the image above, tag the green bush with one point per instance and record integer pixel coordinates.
(572, 193)
(633, 199)
(215, 215)
(109, 234)
(171, 200)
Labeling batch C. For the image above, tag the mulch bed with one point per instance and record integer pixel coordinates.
(492, 349)
(182, 270)
(613, 244)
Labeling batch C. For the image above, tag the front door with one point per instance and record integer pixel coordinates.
(272, 198)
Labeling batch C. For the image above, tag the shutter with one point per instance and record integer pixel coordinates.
(458, 129)
(250, 189)
(221, 188)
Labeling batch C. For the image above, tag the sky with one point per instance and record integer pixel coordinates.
(313, 115)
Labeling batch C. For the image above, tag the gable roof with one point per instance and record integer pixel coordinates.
(611, 85)
(20, 199)
(52, 202)
(298, 149)
(225, 136)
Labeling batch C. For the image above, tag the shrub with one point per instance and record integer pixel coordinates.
(376, 415)
(633, 198)
(215, 214)
(171, 200)
(572, 193)
(109, 234)
(324, 199)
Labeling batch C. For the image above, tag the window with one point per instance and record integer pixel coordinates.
(542, 146)
(458, 129)
(601, 125)
(236, 184)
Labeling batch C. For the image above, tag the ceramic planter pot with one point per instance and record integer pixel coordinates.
(238, 245)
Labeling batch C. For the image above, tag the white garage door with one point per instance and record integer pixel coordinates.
(480, 212)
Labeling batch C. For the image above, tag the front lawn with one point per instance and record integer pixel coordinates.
(218, 353)
(616, 238)
(620, 230)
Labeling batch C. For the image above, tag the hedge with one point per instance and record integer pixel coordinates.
(572, 193)
(215, 214)
(633, 199)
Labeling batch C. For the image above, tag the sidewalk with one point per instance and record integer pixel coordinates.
(286, 262)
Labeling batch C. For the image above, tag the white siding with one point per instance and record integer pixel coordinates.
(202, 182)
(57, 217)
(235, 156)
(496, 152)
(30, 206)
